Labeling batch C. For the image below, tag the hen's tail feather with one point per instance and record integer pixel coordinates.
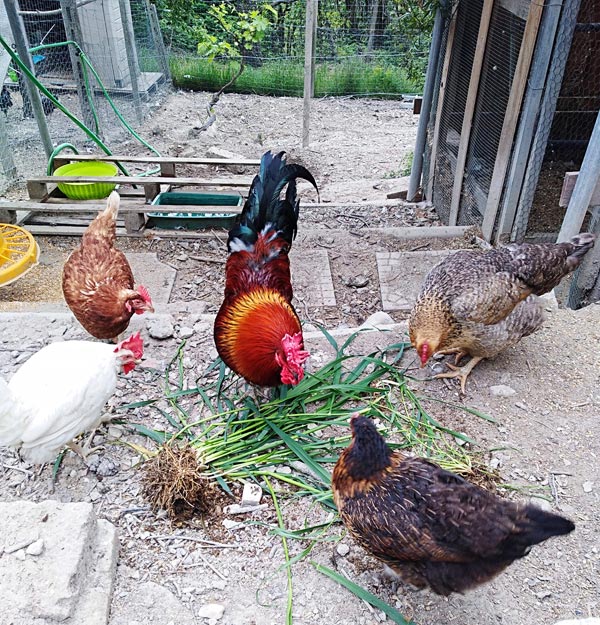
(582, 244)
(264, 205)
(112, 206)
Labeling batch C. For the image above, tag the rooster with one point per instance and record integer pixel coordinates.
(257, 331)
(59, 393)
(432, 527)
(481, 303)
(98, 282)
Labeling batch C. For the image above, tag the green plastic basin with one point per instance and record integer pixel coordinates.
(196, 220)
(87, 190)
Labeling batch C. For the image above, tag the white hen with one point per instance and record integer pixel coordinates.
(60, 392)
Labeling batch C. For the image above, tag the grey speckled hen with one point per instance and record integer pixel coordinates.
(480, 303)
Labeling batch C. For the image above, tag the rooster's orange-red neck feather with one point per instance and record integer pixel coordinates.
(249, 331)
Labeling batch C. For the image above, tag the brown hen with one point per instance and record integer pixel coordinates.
(481, 303)
(432, 527)
(98, 282)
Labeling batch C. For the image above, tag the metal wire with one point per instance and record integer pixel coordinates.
(103, 39)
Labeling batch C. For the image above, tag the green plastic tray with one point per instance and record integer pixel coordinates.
(193, 221)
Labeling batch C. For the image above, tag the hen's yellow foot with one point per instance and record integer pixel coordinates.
(460, 353)
(462, 373)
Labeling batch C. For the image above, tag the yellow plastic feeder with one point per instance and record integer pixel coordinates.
(19, 253)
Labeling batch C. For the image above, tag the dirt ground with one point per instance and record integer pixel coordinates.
(544, 442)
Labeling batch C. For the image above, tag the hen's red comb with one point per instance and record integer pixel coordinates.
(143, 291)
(134, 344)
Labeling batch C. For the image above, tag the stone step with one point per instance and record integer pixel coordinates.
(58, 564)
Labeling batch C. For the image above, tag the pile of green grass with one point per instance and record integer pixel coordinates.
(238, 437)
(281, 78)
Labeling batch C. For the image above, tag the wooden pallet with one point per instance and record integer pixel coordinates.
(50, 212)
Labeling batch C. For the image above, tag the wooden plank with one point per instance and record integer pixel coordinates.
(569, 185)
(146, 180)
(440, 102)
(513, 109)
(69, 209)
(66, 158)
(310, 37)
(64, 230)
(465, 133)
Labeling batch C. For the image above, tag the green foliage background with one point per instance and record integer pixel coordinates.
(208, 38)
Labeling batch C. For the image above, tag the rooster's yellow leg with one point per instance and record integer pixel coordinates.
(462, 373)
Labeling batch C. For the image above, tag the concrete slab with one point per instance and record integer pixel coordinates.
(401, 275)
(311, 277)
(157, 277)
(68, 577)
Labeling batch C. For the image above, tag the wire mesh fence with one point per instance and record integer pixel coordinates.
(101, 61)
(570, 124)
(362, 49)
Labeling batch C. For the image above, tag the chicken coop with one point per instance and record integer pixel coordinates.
(514, 91)
(93, 56)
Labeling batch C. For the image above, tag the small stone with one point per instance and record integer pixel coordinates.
(160, 327)
(115, 431)
(20, 555)
(185, 332)
(544, 594)
(182, 257)
(377, 319)
(502, 390)
(343, 549)
(357, 281)
(36, 548)
(211, 611)
(495, 463)
(588, 487)
(521, 405)
(230, 524)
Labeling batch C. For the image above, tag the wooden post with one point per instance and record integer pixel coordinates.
(74, 33)
(513, 109)
(440, 103)
(588, 177)
(465, 132)
(129, 39)
(158, 41)
(310, 37)
(423, 107)
(529, 117)
(22, 45)
(8, 164)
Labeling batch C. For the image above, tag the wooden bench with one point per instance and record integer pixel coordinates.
(136, 191)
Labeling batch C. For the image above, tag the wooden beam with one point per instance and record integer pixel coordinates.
(310, 36)
(67, 158)
(513, 109)
(147, 180)
(567, 190)
(583, 191)
(440, 102)
(465, 133)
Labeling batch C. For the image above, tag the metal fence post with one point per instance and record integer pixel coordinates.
(310, 36)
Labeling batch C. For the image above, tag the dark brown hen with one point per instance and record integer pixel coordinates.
(481, 303)
(431, 526)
